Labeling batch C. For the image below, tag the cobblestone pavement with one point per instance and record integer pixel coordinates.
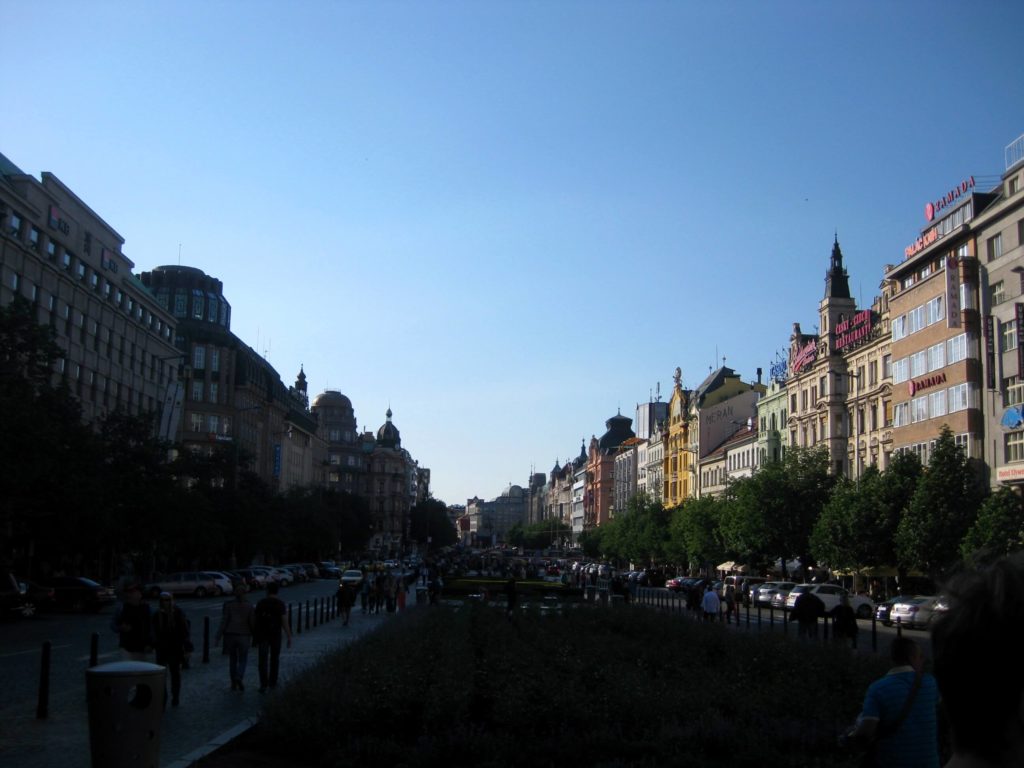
(210, 713)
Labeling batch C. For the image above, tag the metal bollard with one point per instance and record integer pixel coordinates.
(825, 631)
(94, 649)
(298, 618)
(899, 627)
(748, 615)
(307, 614)
(316, 609)
(206, 640)
(43, 705)
(289, 616)
(874, 633)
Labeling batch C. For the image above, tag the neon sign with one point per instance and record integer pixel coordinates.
(857, 328)
(930, 209)
(921, 243)
(928, 381)
(807, 355)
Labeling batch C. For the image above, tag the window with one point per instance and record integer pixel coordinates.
(199, 357)
(937, 404)
(899, 327)
(963, 442)
(197, 304)
(958, 398)
(887, 366)
(197, 391)
(919, 409)
(933, 311)
(213, 391)
(211, 312)
(51, 250)
(213, 424)
(937, 356)
(196, 422)
(998, 293)
(1014, 446)
(334, 435)
(33, 238)
(14, 227)
(956, 349)
(873, 373)
(901, 414)
(995, 247)
(180, 303)
(1008, 336)
(1013, 391)
(919, 363)
(66, 260)
(214, 359)
(792, 402)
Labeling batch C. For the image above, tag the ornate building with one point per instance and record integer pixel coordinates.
(597, 505)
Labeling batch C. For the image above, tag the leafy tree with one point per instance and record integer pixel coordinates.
(429, 524)
(998, 531)
(641, 533)
(694, 531)
(944, 507)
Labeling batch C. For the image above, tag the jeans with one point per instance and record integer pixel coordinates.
(237, 648)
(269, 661)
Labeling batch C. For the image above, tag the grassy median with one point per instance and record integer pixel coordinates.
(587, 686)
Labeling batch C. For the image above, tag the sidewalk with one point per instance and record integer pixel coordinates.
(210, 715)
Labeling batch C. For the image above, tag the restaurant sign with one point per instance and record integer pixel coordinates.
(807, 354)
(857, 329)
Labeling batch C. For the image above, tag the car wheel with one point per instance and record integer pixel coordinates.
(864, 611)
(200, 591)
(28, 610)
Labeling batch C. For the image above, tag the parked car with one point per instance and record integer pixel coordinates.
(297, 571)
(884, 608)
(678, 583)
(182, 583)
(12, 598)
(329, 570)
(77, 593)
(253, 578)
(830, 595)
(38, 598)
(764, 594)
(352, 576)
(281, 576)
(915, 612)
(225, 581)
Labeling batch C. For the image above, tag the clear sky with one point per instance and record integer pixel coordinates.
(510, 220)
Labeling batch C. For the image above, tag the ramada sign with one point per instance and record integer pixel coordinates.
(930, 209)
(928, 381)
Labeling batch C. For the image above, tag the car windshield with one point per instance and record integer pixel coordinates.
(800, 588)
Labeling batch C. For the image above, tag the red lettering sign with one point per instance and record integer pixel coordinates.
(931, 209)
(926, 382)
(922, 242)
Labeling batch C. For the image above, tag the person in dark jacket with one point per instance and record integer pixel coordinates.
(133, 623)
(807, 609)
(844, 622)
(171, 640)
(270, 620)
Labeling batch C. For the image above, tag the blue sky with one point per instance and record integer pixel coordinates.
(509, 220)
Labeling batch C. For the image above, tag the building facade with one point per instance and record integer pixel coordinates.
(117, 341)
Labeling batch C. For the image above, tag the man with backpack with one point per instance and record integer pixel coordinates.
(271, 620)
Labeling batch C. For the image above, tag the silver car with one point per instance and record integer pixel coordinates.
(197, 583)
(915, 612)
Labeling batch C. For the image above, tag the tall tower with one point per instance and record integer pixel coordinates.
(837, 306)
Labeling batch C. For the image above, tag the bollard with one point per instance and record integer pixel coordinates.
(825, 631)
(899, 628)
(289, 616)
(307, 615)
(785, 623)
(748, 615)
(298, 618)
(43, 705)
(206, 640)
(94, 649)
(874, 633)
(316, 609)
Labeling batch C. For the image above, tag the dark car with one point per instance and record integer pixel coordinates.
(38, 598)
(77, 593)
(12, 597)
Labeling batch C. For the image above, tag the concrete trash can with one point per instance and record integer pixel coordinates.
(126, 703)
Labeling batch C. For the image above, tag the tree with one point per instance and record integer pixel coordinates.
(694, 531)
(998, 530)
(944, 507)
(430, 526)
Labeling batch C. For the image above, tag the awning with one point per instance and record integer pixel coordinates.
(727, 566)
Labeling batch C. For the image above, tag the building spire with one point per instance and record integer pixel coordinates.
(837, 282)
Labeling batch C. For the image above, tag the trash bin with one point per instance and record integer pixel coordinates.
(421, 595)
(126, 702)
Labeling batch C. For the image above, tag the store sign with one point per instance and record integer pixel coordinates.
(778, 371)
(921, 243)
(1020, 347)
(57, 221)
(952, 293)
(1010, 474)
(931, 209)
(990, 350)
(856, 329)
(807, 355)
(926, 382)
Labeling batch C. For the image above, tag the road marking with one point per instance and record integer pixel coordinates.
(34, 650)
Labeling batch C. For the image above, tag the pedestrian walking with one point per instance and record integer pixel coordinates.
(732, 606)
(346, 599)
(171, 641)
(898, 722)
(807, 609)
(844, 622)
(711, 604)
(270, 620)
(133, 623)
(235, 631)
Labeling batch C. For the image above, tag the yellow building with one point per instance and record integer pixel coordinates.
(678, 459)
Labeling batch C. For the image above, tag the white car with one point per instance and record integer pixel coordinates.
(225, 586)
(916, 612)
(830, 594)
(278, 575)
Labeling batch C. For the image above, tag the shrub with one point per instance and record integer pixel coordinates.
(622, 687)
